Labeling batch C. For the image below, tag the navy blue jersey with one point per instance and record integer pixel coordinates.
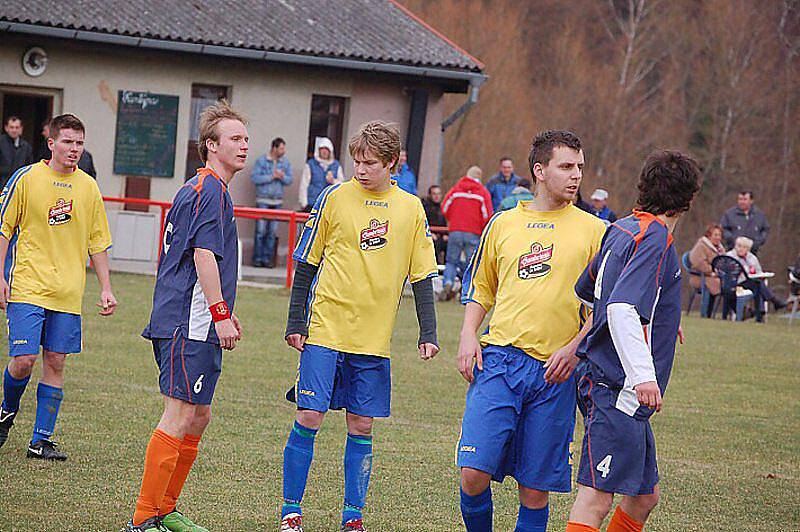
(637, 264)
(201, 217)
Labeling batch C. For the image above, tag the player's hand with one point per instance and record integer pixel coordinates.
(469, 349)
(681, 338)
(428, 351)
(297, 341)
(238, 326)
(560, 365)
(5, 293)
(649, 395)
(227, 333)
(107, 303)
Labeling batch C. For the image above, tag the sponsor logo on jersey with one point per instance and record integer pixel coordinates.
(541, 225)
(60, 212)
(375, 203)
(374, 236)
(62, 185)
(534, 263)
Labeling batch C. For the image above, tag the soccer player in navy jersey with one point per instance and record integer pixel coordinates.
(192, 319)
(634, 286)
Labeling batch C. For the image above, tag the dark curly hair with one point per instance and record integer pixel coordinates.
(544, 143)
(668, 182)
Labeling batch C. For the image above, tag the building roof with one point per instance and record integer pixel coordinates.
(374, 31)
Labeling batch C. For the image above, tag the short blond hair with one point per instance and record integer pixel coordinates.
(382, 139)
(743, 240)
(209, 119)
(475, 172)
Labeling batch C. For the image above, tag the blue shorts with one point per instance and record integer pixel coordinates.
(31, 326)
(329, 379)
(516, 424)
(189, 369)
(619, 450)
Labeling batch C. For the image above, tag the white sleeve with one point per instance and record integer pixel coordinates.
(302, 193)
(340, 175)
(628, 336)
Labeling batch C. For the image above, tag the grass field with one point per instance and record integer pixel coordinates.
(728, 438)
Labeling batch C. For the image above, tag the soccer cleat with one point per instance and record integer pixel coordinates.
(6, 422)
(45, 450)
(292, 523)
(150, 524)
(177, 522)
(354, 525)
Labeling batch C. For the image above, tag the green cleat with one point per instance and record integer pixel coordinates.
(177, 522)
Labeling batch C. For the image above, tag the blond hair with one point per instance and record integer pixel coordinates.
(475, 172)
(382, 139)
(209, 119)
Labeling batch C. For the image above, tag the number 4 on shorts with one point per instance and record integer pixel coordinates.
(605, 466)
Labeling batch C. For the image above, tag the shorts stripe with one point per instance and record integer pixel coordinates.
(185, 374)
(171, 361)
(588, 429)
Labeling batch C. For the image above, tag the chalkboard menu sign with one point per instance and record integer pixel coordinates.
(146, 127)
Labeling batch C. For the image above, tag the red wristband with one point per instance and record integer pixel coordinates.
(219, 311)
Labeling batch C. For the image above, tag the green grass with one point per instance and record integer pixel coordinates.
(727, 439)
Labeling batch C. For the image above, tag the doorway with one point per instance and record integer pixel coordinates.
(33, 109)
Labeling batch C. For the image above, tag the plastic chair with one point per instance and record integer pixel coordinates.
(696, 291)
(794, 286)
(734, 296)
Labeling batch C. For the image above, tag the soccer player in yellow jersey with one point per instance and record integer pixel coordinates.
(365, 237)
(52, 218)
(520, 408)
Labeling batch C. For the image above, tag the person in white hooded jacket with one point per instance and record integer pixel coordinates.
(320, 172)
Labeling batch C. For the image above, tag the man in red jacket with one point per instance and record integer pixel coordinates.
(467, 208)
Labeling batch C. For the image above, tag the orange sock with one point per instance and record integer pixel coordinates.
(622, 522)
(159, 463)
(579, 527)
(188, 453)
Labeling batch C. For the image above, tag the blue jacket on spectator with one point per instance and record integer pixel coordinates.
(406, 179)
(499, 188)
(267, 187)
(605, 214)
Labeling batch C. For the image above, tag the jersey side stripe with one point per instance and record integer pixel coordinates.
(309, 242)
(12, 187)
(475, 260)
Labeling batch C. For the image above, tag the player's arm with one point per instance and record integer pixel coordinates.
(205, 262)
(296, 323)
(426, 316)
(5, 291)
(469, 348)
(107, 303)
(562, 363)
(12, 202)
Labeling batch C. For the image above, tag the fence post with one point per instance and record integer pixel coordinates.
(290, 242)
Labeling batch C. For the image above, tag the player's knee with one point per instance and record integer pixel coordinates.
(54, 362)
(474, 482)
(359, 425)
(595, 502)
(310, 418)
(202, 417)
(647, 503)
(531, 498)
(22, 366)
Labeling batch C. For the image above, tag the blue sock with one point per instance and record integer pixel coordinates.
(297, 456)
(530, 520)
(357, 469)
(48, 399)
(477, 511)
(12, 391)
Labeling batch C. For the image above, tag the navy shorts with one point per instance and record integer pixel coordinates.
(330, 379)
(619, 450)
(189, 369)
(516, 424)
(31, 327)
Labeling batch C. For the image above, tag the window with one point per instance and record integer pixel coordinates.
(202, 96)
(327, 120)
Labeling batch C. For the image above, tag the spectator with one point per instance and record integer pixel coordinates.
(582, 205)
(467, 207)
(522, 192)
(752, 266)
(320, 172)
(700, 257)
(600, 208)
(271, 174)
(15, 152)
(433, 212)
(405, 178)
(745, 220)
(86, 163)
(44, 151)
(502, 184)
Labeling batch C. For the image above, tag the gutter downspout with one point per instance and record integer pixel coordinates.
(474, 90)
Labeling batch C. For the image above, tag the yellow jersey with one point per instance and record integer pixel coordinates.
(366, 245)
(526, 267)
(58, 221)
